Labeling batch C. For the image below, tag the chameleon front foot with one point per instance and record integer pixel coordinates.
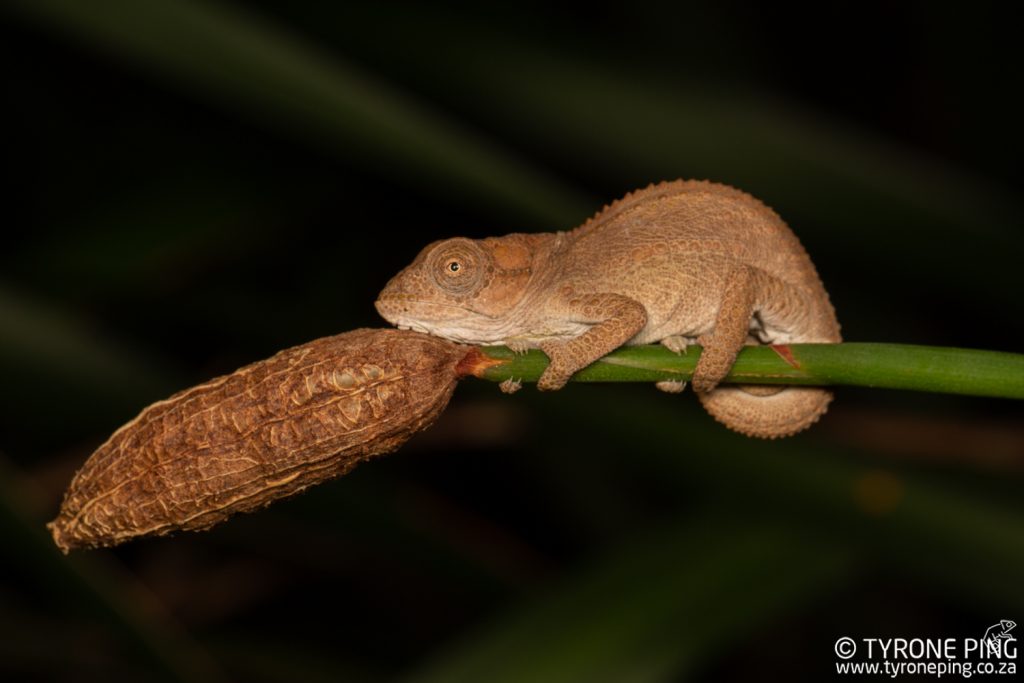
(671, 386)
(511, 386)
(676, 343)
(518, 345)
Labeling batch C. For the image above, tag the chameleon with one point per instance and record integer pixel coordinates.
(681, 262)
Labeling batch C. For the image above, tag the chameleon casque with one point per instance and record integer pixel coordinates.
(678, 263)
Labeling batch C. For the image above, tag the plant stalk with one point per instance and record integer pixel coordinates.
(890, 366)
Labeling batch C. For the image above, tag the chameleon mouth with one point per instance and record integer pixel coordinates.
(448, 321)
(414, 328)
(395, 307)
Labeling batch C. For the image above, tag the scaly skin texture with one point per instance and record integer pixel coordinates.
(679, 262)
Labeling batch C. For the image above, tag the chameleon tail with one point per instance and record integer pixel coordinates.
(765, 412)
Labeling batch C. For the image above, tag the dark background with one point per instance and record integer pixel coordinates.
(192, 186)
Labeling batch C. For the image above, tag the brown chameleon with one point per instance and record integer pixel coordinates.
(678, 263)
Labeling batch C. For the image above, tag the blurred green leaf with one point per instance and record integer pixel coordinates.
(655, 610)
(247, 64)
(46, 343)
(257, 659)
(147, 236)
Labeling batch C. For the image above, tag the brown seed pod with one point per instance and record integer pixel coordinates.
(266, 431)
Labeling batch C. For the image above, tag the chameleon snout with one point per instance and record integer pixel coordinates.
(396, 312)
(390, 307)
(402, 309)
(393, 300)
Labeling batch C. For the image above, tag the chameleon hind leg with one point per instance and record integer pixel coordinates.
(732, 324)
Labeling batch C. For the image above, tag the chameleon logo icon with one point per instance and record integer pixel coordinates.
(997, 634)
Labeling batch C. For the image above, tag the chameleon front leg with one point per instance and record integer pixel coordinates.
(732, 324)
(618, 319)
(677, 344)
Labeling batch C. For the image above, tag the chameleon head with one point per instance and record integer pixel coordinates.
(461, 289)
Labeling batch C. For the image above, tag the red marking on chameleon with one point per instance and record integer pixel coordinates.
(786, 354)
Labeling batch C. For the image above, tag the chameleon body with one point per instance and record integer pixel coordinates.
(678, 263)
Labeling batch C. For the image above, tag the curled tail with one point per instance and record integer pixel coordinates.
(766, 412)
(783, 314)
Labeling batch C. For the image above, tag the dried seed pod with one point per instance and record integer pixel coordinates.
(269, 430)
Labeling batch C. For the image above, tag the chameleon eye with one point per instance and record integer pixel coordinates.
(456, 265)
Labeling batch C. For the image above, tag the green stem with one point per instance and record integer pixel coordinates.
(891, 366)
